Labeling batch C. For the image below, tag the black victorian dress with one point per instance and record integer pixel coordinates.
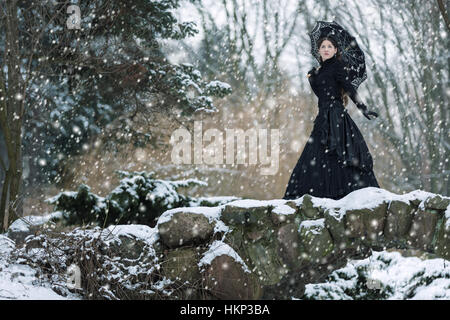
(335, 160)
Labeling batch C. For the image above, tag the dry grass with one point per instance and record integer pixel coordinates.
(291, 115)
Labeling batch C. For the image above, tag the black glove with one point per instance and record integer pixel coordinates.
(366, 112)
(312, 72)
(370, 113)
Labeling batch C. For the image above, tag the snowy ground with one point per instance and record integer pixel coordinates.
(19, 281)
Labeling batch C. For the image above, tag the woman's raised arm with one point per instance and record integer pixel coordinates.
(341, 77)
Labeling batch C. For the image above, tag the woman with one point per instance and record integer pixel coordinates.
(335, 160)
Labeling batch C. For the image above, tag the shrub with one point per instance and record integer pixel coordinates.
(139, 199)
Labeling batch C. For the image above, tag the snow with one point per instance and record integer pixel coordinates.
(400, 277)
(69, 194)
(283, 209)
(366, 198)
(447, 218)
(401, 271)
(23, 224)
(20, 282)
(212, 213)
(251, 203)
(439, 289)
(217, 199)
(337, 214)
(217, 249)
(369, 197)
(6, 245)
(313, 226)
(218, 84)
(138, 231)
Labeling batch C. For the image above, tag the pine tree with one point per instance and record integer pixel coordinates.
(67, 69)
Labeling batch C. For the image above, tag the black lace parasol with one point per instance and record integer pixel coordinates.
(352, 55)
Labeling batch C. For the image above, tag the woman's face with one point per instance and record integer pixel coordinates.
(327, 50)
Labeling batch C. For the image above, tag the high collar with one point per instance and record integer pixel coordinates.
(328, 61)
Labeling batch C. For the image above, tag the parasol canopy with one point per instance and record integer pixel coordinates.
(352, 55)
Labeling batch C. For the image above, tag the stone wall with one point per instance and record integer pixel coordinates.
(250, 249)
(270, 249)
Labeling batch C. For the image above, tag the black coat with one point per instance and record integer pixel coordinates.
(336, 159)
(329, 78)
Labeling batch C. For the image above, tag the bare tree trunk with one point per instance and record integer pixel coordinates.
(11, 119)
(444, 14)
(4, 199)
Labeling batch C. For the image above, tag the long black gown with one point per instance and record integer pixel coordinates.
(335, 160)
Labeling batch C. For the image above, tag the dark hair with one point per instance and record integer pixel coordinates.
(338, 56)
